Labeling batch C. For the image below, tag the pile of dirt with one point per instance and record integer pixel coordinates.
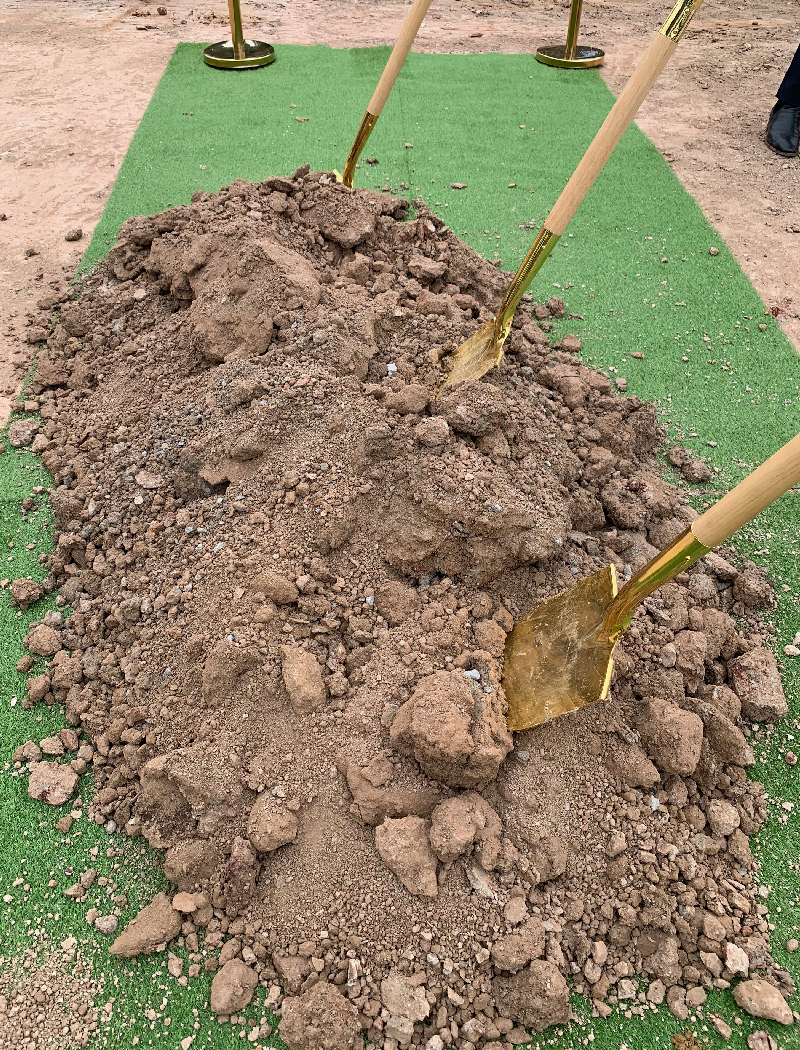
(291, 570)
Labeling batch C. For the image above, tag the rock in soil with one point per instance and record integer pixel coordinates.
(51, 783)
(291, 566)
(757, 682)
(25, 592)
(537, 997)
(405, 848)
(153, 927)
(320, 1019)
(453, 730)
(233, 987)
(762, 999)
(270, 824)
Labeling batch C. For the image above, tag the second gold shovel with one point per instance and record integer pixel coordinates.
(559, 657)
(484, 349)
(398, 56)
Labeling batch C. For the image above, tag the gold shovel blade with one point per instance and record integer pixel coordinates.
(473, 359)
(558, 657)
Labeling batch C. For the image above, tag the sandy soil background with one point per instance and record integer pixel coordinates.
(76, 76)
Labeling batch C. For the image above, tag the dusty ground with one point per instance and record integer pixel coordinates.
(67, 117)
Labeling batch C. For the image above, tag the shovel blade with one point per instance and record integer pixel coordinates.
(558, 657)
(473, 359)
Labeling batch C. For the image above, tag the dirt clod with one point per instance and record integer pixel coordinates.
(233, 987)
(454, 729)
(270, 824)
(761, 999)
(51, 783)
(537, 997)
(320, 1019)
(153, 927)
(25, 592)
(405, 848)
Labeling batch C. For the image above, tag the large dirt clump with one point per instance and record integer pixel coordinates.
(287, 569)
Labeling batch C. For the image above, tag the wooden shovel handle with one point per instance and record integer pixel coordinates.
(623, 112)
(774, 477)
(398, 55)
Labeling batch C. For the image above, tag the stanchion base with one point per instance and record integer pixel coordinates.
(584, 57)
(256, 54)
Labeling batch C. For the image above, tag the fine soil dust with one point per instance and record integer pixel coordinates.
(287, 569)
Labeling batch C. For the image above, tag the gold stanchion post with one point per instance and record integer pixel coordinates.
(571, 55)
(238, 53)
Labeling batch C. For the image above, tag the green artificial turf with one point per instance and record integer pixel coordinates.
(634, 265)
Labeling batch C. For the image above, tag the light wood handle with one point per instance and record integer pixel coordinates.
(398, 55)
(774, 477)
(623, 112)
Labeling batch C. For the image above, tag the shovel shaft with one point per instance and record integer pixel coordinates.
(474, 359)
(622, 113)
(774, 477)
(531, 264)
(679, 555)
(398, 56)
(368, 122)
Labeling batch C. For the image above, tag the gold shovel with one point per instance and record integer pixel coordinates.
(559, 657)
(398, 56)
(484, 349)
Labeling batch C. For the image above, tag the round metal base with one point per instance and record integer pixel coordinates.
(584, 57)
(256, 54)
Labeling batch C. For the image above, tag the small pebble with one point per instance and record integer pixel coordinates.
(791, 650)
(713, 251)
(106, 923)
(74, 235)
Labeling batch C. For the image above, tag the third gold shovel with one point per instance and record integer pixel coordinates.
(484, 349)
(559, 657)
(398, 56)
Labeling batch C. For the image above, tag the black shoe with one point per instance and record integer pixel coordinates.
(783, 130)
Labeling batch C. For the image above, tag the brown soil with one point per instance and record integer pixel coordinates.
(68, 117)
(49, 1003)
(293, 568)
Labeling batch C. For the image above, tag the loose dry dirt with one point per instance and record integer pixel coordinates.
(67, 117)
(293, 568)
(48, 1001)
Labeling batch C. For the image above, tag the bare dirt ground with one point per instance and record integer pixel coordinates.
(77, 76)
